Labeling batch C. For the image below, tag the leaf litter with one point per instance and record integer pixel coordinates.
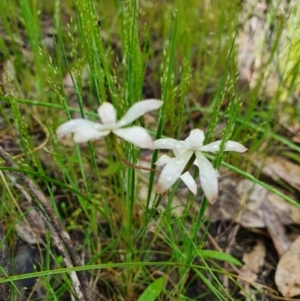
(253, 206)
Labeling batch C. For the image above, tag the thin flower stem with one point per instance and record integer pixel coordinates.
(138, 166)
(120, 154)
(116, 146)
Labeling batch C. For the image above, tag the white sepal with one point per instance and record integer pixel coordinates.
(135, 135)
(172, 171)
(196, 139)
(189, 182)
(235, 147)
(208, 178)
(138, 109)
(107, 114)
(91, 130)
(163, 160)
(169, 143)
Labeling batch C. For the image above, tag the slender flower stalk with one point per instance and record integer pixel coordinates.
(85, 130)
(189, 152)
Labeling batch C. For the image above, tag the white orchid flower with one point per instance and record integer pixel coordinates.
(185, 177)
(85, 130)
(184, 150)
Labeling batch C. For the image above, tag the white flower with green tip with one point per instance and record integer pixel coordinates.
(184, 151)
(85, 130)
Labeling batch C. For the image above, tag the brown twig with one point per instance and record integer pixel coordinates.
(55, 238)
(71, 257)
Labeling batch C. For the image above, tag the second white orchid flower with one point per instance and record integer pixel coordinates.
(184, 151)
(85, 130)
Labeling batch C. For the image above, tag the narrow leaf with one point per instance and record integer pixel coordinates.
(153, 290)
(220, 256)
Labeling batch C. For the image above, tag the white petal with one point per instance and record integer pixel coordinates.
(84, 130)
(139, 109)
(169, 143)
(196, 138)
(81, 136)
(107, 114)
(208, 178)
(235, 147)
(229, 146)
(163, 160)
(136, 135)
(189, 182)
(178, 152)
(172, 171)
(211, 147)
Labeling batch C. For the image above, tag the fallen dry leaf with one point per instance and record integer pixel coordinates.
(295, 129)
(291, 125)
(275, 228)
(280, 168)
(242, 201)
(287, 275)
(32, 229)
(253, 264)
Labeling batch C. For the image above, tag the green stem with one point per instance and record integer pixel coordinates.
(120, 154)
(116, 146)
